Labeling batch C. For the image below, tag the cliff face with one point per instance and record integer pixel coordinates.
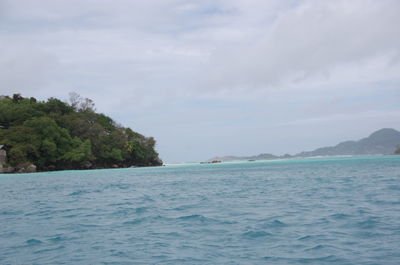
(238, 158)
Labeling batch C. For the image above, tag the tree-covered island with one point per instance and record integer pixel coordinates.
(54, 135)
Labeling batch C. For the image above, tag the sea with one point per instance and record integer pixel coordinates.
(342, 210)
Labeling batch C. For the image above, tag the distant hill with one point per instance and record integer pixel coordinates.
(238, 158)
(383, 141)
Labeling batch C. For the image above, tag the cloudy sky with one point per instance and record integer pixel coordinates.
(213, 77)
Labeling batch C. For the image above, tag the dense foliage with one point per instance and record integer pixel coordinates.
(53, 134)
(397, 152)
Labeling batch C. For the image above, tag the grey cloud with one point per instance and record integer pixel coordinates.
(310, 40)
(23, 66)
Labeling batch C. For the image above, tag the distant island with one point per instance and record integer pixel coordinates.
(55, 135)
(384, 141)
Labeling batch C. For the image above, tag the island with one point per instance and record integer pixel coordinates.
(55, 135)
(385, 141)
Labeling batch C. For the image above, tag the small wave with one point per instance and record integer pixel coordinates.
(330, 258)
(120, 204)
(134, 222)
(161, 244)
(340, 216)
(275, 224)
(163, 257)
(70, 216)
(371, 222)
(140, 210)
(382, 202)
(201, 219)
(196, 218)
(88, 225)
(144, 219)
(183, 207)
(123, 212)
(167, 234)
(255, 234)
(317, 247)
(173, 234)
(116, 253)
(8, 234)
(117, 186)
(394, 187)
(78, 192)
(310, 237)
(368, 234)
(146, 198)
(57, 239)
(48, 250)
(10, 212)
(186, 261)
(192, 217)
(33, 241)
(79, 228)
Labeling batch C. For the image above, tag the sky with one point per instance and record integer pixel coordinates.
(213, 77)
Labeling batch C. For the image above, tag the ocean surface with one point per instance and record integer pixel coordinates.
(310, 211)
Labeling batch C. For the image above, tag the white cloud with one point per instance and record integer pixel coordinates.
(24, 67)
(310, 41)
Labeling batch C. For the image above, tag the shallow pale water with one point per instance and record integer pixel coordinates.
(313, 211)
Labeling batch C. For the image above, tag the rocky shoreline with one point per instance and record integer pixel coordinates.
(30, 168)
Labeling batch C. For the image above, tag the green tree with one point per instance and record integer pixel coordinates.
(397, 151)
(80, 154)
(22, 143)
(55, 134)
(54, 141)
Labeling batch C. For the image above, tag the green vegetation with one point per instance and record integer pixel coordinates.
(397, 152)
(56, 135)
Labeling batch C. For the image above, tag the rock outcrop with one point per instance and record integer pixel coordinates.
(30, 168)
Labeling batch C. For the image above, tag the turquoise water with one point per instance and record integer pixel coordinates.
(313, 211)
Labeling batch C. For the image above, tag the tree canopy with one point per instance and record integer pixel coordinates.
(54, 134)
(397, 151)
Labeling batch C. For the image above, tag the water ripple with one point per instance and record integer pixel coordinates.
(340, 211)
